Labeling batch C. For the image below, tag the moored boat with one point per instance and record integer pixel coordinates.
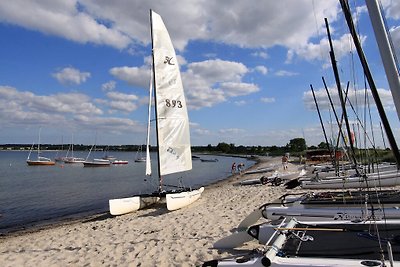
(120, 162)
(97, 163)
(41, 161)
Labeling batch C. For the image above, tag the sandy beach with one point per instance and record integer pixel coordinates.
(149, 237)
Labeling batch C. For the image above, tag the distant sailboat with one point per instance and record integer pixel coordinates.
(72, 159)
(95, 162)
(39, 161)
(107, 156)
(172, 127)
(59, 158)
(139, 155)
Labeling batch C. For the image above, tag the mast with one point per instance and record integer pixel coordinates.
(322, 124)
(337, 79)
(155, 100)
(38, 145)
(386, 50)
(374, 91)
(339, 123)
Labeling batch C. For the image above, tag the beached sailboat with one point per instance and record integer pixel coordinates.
(39, 161)
(341, 229)
(332, 243)
(172, 127)
(307, 206)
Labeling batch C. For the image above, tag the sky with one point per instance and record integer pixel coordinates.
(80, 69)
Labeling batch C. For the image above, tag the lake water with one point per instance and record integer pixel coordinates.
(34, 195)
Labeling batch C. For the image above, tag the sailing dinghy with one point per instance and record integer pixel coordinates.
(172, 127)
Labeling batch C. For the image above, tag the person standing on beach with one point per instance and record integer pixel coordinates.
(284, 162)
(240, 168)
(234, 168)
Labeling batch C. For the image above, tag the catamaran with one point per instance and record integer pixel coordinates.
(172, 127)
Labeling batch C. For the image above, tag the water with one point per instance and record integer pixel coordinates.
(35, 195)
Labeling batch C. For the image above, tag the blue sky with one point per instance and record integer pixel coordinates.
(81, 68)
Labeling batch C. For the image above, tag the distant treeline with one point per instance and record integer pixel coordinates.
(220, 148)
(295, 145)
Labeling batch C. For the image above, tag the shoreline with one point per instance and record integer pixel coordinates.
(79, 216)
(149, 237)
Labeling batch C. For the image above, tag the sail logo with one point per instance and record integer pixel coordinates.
(172, 82)
(340, 216)
(168, 60)
(173, 152)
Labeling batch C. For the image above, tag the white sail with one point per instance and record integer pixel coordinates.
(172, 119)
(173, 137)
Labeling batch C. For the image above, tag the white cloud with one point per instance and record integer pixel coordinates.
(71, 76)
(240, 103)
(263, 55)
(124, 24)
(232, 89)
(107, 123)
(261, 69)
(108, 86)
(68, 110)
(133, 75)
(355, 96)
(213, 71)
(121, 102)
(22, 107)
(231, 131)
(210, 82)
(267, 99)
(63, 18)
(392, 8)
(311, 52)
(202, 132)
(285, 73)
(121, 96)
(124, 106)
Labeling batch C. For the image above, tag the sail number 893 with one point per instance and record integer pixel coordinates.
(173, 103)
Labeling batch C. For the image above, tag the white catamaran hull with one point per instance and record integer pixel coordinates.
(262, 261)
(130, 204)
(276, 237)
(391, 178)
(347, 213)
(179, 200)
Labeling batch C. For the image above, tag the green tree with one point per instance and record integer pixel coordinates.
(323, 145)
(224, 147)
(297, 145)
